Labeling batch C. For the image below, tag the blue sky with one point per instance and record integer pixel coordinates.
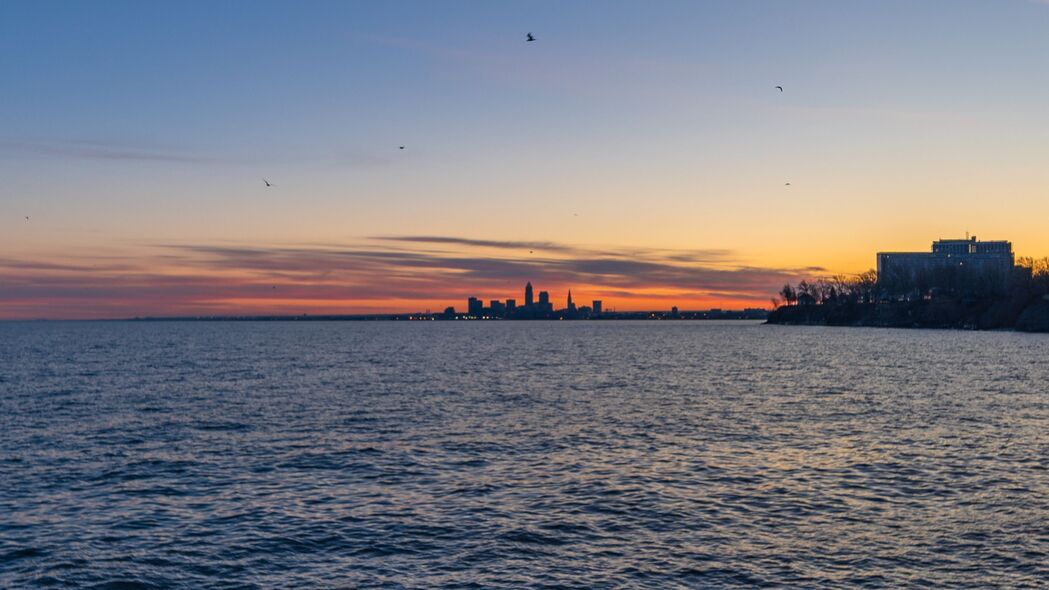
(642, 124)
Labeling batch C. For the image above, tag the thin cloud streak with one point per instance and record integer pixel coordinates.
(125, 152)
(679, 255)
(501, 244)
(98, 150)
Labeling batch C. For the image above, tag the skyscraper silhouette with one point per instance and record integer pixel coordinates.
(475, 307)
(528, 295)
(544, 306)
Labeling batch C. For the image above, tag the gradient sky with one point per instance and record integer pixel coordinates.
(639, 150)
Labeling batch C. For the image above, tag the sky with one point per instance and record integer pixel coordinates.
(636, 152)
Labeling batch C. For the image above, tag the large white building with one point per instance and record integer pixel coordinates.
(984, 258)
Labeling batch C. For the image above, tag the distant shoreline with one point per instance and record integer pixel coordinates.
(626, 316)
(618, 316)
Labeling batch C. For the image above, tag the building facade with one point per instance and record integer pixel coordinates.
(949, 260)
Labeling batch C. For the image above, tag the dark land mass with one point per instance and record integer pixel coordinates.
(939, 298)
(1015, 313)
(946, 290)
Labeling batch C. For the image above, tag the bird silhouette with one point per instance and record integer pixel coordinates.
(402, 147)
(27, 218)
(267, 182)
(531, 252)
(788, 184)
(530, 38)
(780, 88)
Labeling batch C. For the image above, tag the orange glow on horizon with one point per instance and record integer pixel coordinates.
(364, 279)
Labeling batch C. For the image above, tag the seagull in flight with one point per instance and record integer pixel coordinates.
(402, 147)
(788, 184)
(267, 182)
(530, 38)
(780, 88)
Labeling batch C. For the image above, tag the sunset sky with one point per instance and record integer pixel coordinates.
(637, 152)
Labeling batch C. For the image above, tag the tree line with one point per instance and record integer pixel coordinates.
(861, 288)
(1029, 280)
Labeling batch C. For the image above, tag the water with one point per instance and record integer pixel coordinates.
(509, 455)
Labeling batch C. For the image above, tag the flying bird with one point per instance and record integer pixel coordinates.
(780, 88)
(531, 252)
(788, 184)
(530, 38)
(402, 147)
(27, 218)
(267, 182)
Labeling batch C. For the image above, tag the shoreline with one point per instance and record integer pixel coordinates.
(948, 314)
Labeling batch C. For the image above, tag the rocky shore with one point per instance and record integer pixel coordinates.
(1018, 314)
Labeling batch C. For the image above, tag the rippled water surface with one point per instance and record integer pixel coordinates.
(509, 455)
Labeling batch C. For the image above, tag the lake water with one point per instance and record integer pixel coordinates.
(517, 454)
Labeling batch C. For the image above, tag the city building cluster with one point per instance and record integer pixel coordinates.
(542, 308)
(530, 309)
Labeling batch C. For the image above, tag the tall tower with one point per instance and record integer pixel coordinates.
(528, 295)
(571, 306)
(476, 307)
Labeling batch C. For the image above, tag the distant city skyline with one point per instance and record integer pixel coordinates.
(335, 157)
(531, 308)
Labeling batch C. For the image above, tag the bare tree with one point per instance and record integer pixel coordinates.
(867, 286)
